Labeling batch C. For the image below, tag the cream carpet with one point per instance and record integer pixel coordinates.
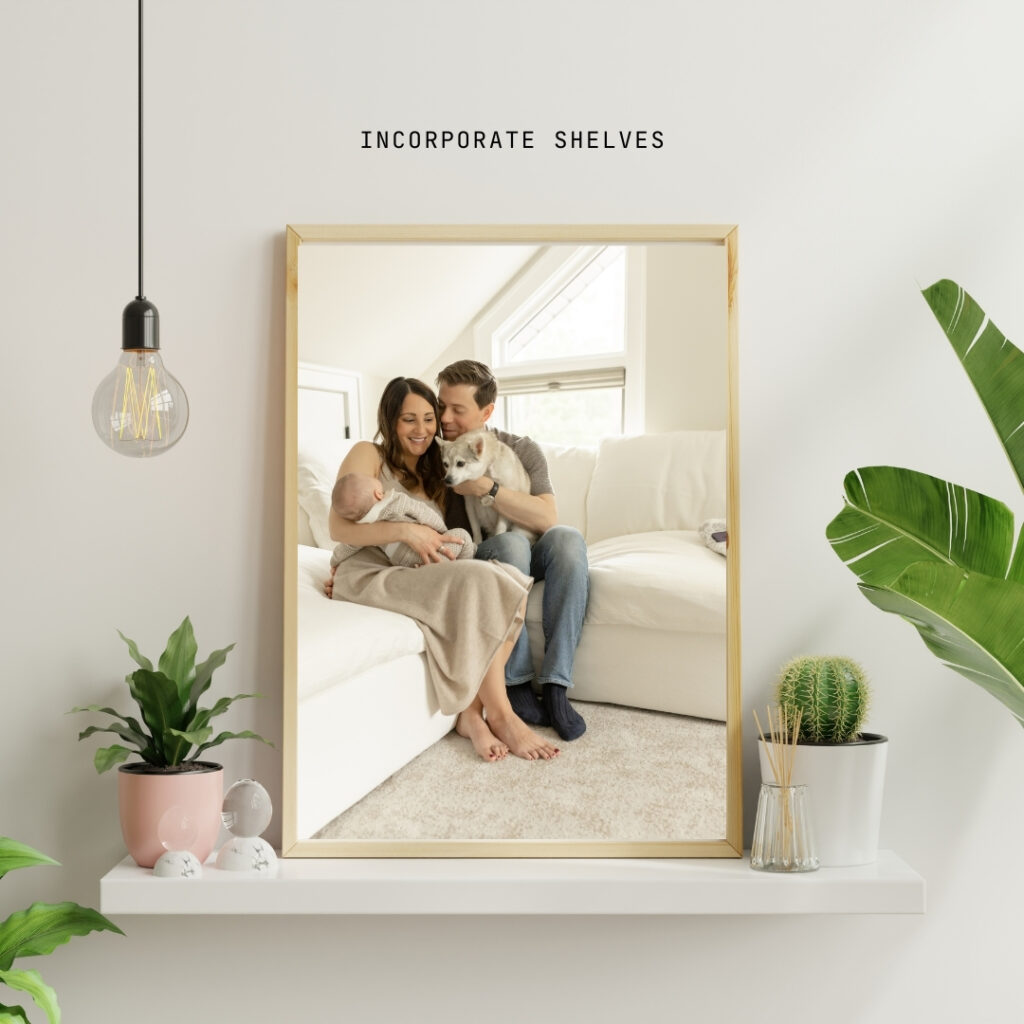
(634, 776)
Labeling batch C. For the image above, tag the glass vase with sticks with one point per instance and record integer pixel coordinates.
(783, 833)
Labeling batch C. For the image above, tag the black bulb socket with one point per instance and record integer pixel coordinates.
(140, 325)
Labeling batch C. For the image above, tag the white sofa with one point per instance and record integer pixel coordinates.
(654, 635)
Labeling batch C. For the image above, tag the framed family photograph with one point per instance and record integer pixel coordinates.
(511, 542)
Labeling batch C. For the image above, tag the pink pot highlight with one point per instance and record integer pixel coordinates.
(170, 810)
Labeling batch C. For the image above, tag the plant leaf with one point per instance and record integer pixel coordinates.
(994, 365)
(162, 709)
(204, 675)
(14, 855)
(106, 757)
(133, 649)
(128, 735)
(970, 621)
(194, 736)
(43, 927)
(895, 517)
(203, 715)
(221, 737)
(13, 1015)
(32, 983)
(178, 661)
(132, 723)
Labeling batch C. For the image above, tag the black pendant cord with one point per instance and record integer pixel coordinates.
(141, 294)
(140, 322)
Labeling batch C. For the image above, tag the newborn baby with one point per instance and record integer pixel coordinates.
(362, 499)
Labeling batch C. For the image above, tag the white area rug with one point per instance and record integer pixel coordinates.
(634, 776)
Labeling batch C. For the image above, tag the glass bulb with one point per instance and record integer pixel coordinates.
(140, 409)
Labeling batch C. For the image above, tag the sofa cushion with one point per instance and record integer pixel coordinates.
(337, 639)
(571, 469)
(318, 464)
(666, 580)
(670, 481)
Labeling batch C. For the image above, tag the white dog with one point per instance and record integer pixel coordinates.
(479, 453)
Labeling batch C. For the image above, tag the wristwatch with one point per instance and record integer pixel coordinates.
(488, 498)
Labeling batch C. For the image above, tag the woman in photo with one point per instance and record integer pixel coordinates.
(470, 612)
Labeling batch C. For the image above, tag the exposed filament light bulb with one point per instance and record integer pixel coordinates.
(140, 409)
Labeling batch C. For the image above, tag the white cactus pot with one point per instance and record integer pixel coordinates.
(844, 790)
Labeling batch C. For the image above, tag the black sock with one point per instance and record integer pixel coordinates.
(527, 705)
(565, 718)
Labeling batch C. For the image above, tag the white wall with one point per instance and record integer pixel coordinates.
(864, 153)
(686, 354)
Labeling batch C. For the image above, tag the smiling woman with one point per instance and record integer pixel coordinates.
(372, 764)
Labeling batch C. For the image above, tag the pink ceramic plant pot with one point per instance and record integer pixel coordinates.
(174, 809)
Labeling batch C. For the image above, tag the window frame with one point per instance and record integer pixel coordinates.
(536, 285)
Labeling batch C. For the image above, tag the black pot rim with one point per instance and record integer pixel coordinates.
(142, 768)
(864, 739)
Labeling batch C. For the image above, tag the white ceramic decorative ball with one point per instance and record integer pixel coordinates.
(247, 808)
(178, 864)
(248, 853)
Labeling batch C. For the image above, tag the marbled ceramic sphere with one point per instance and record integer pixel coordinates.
(178, 864)
(248, 853)
(247, 808)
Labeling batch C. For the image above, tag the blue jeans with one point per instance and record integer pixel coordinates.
(560, 559)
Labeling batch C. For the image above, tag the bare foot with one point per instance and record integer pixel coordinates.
(521, 739)
(485, 743)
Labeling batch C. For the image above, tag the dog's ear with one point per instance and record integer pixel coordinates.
(478, 446)
(440, 441)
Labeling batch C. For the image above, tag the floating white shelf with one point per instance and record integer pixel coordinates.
(390, 886)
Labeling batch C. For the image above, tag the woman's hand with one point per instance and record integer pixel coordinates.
(426, 543)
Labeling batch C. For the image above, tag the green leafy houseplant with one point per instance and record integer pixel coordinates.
(938, 554)
(168, 697)
(37, 931)
(831, 695)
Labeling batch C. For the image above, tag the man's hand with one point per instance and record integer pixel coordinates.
(474, 488)
(426, 543)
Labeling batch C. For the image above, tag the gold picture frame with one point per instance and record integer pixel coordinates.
(302, 239)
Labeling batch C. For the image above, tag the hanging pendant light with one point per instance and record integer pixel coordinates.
(140, 409)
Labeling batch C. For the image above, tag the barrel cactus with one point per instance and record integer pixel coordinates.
(831, 695)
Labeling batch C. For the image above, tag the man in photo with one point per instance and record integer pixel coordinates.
(467, 392)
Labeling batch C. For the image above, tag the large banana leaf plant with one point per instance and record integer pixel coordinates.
(36, 932)
(938, 554)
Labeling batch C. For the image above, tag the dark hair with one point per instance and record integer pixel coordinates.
(469, 371)
(429, 469)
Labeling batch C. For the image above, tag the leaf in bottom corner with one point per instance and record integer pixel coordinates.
(32, 983)
(13, 1015)
(38, 930)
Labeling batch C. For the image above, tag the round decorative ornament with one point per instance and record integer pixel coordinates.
(247, 808)
(248, 853)
(178, 864)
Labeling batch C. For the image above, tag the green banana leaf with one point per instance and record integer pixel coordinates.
(973, 623)
(894, 517)
(995, 366)
(939, 554)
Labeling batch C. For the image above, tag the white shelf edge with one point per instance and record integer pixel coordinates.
(520, 886)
